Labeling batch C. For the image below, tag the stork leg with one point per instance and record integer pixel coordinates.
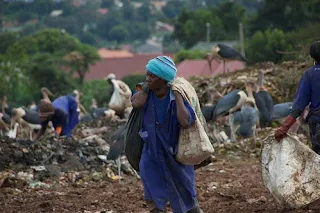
(254, 128)
(30, 133)
(231, 125)
(119, 167)
(215, 133)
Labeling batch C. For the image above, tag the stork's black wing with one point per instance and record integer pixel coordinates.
(264, 103)
(118, 144)
(230, 53)
(31, 116)
(226, 103)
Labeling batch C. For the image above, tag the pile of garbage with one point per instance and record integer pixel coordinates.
(84, 157)
(280, 80)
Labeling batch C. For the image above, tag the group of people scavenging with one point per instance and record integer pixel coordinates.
(63, 112)
(164, 113)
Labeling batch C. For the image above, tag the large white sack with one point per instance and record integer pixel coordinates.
(116, 102)
(291, 171)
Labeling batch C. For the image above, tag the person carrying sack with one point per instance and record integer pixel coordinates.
(308, 94)
(165, 112)
(120, 95)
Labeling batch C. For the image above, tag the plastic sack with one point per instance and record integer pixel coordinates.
(290, 171)
(116, 101)
(194, 145)
(133, 141)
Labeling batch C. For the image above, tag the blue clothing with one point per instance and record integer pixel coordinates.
(65, 115)
(164, 178)
(308, 92)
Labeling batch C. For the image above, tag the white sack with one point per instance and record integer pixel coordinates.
(291, 171)
(116, 101)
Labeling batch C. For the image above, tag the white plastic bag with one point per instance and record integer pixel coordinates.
(116, 101)
(291, 171)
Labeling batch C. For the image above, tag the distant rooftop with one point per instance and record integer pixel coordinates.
(108, 54)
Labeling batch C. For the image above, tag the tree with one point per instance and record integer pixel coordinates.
(56, 44)
(286, 15)
(104, 25)
(144, 13)
(267, 46)
(80, 60)
(53, 41)
(6, 40)
(230, 14)
(172, 9)
(191, 27)
(42, 7)
(48, 68)
(107, 3)
(69, 24)
(129, 13)
(119, 33)
(24, 16)
(88, 38)
(13, 82)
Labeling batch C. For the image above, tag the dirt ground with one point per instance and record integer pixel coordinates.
(228, 185)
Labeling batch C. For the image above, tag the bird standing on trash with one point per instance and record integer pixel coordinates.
(165, 112)
(63, 114)
(308, 93)
(225, 53)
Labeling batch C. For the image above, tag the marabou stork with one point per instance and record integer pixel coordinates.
(5, 107)
(264, 102)
(245, 120)
(229, 103)
(13, 133)
(5, 122)
(46, 93)
(76, 94)
(117, 146)
(281, 110)
(27, 119)
(225, 53)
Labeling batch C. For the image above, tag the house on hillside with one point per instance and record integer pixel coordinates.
(206, 46)
(103, 11)
(149, 48)
(163, 27)
(189, 68)
(79, 3)
(108, 54)
(159, 4)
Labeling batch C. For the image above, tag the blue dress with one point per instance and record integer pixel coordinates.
(164, 179)
(65, 115)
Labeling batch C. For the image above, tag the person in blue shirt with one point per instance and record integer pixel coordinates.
(164, 113)
(308, 95)
(63, 114)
